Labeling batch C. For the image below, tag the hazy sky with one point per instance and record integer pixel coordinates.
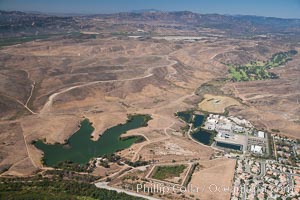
(274, 8)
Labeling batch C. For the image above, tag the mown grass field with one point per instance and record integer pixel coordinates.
(165, 172)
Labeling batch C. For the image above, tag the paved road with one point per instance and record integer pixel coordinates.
(104, 185)
(244, 194)
(262, 169)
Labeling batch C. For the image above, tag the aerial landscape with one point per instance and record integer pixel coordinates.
(148, 103)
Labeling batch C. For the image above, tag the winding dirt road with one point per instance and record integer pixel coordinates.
(47, 107)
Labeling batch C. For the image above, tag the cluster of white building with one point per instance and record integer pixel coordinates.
(227, 126)
(256, 149)
(236, 131)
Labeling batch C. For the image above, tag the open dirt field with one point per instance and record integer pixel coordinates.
(214, 179)
(216, 104)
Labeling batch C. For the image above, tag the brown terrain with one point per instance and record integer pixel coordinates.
(213, 179)
(47, 87)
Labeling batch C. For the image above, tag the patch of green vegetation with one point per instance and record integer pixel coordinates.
(185, 129)
(145, 117)
(71, 166)
(258, 70)
(65, 175)
(137, 163)
(211, 87)
(212, 137)
(164, 172)
(19, 40)
(138, 138)
(275, 130)
(55, 189)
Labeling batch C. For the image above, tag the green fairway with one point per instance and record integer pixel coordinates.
(258, 70)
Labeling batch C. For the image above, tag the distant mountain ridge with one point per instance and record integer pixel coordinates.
(242, 22)
(145, 11)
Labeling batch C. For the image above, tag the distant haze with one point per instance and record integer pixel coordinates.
(269, 8)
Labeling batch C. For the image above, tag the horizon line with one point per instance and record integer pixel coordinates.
(138, 11)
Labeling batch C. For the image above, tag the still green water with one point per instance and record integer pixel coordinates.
(203, 136)
(198, 120)
(185, 116)
(80, 148)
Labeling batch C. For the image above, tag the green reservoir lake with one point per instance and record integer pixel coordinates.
(198, 120)
(230, 146)
(203, 136)
(80, 148)
(185, 116)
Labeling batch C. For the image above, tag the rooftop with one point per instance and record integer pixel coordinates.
(261, 134)
(256, 149)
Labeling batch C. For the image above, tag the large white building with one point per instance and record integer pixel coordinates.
(261, 134)
(256, 149)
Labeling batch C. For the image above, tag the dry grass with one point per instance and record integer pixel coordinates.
(213, 173)
(216, 104)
